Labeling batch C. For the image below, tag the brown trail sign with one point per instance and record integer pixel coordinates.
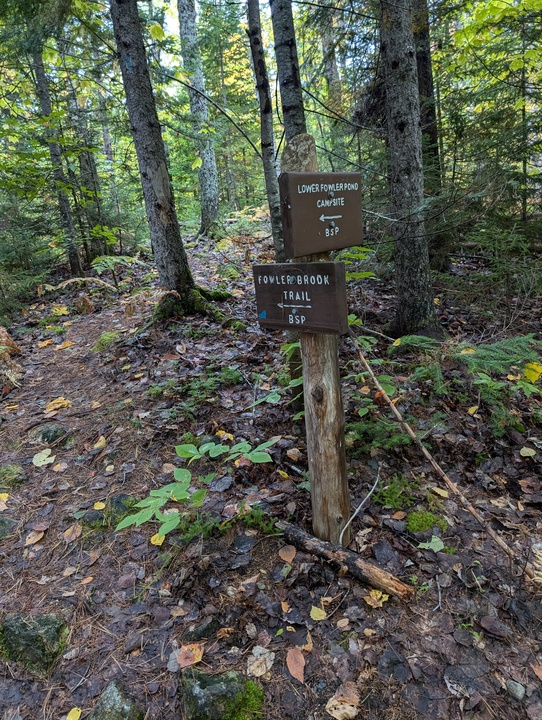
(309, 297)
(320, 212)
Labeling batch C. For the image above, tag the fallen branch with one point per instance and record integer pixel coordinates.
(527, 567)
(63, 284)
(360, 569)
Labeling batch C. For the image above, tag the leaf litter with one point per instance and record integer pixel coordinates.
(224, 601)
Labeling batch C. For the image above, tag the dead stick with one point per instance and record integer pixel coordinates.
(529, 571)
(360, 569)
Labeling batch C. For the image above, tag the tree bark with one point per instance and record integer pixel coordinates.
(288, 68)
(415, 310)
(170, 256)
(207, 172)
(266, 126)
(55, 153)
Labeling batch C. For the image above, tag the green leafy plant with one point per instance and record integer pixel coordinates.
(180, 493)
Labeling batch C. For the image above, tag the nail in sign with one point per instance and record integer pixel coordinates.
(308, 297)
(320, 212)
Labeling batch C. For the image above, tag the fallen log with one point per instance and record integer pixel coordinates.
(360, 569)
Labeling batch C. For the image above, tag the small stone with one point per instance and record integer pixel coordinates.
(115, 704)
(7, 526)
(216, 697)
(515, 689)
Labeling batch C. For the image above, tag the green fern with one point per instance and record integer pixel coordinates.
(500, 356)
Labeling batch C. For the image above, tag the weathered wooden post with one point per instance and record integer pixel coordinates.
(321, 211)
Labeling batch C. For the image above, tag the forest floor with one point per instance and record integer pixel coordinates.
(468, 646)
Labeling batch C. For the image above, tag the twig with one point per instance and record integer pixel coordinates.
(529, 571)
(360, 506)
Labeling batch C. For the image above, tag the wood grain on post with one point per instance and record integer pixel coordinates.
(324, 412)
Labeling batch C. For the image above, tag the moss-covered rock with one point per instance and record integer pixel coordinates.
(35, 641)
(220, 697)
(116, 704)
(11, 476)
(7, 526)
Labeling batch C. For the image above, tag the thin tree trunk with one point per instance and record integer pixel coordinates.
(55, 152)
(170, 256)
(266, 126)
(291, 95)
(415, 309)
(207, 172)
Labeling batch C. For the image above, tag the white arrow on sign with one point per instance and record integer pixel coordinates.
(323, 218)
(303, 307)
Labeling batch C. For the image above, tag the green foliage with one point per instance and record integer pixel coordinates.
(422, 520)
(106, 339)
(399, 492)
(181, 493)
(11, 476)
(500, 356)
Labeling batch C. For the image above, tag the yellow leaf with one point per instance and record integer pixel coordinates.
(59, 310)
(467, 351)
(514, 377)
(396, 343)
(33, 537)
(74, 714)
(57, 404)
(157, 539)
(283, 474)
(60, 467)
(100, 443)
(317, 613)
(375, 598)
(65, 344)
(3, 497)
(190, 654)
(439, 491)
(138, 376)
(45, 343)
(436, 301)
(223, 435)
(532, 371)
(99, 505)
(472, 409)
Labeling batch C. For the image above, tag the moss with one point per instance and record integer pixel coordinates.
(246, 705)
(106, 339)
(11, 476)
(422, 520)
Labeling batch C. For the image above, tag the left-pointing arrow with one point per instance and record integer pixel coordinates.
(323, 218)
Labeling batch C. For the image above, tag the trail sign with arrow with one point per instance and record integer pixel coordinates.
(320, 212)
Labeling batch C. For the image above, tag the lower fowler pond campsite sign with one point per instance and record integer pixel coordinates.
(308, 297)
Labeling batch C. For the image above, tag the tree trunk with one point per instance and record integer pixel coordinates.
(266, 126)
(170, 256)
(288, 68)
(415, 309)
(207, 172)
(55, 152)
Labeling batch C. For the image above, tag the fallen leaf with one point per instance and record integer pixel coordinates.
(343, 623)
(532, 371)
(260, 662)
(294, 454)
(87, 580)
(223, 435)
(376, 598)
(285, 607)
(284, 475)
(369, 632)
(74, 714)
(45, 343)
(59, 310)
(70, 570)
(308, 646)
(295, 662)
(93, 556)
(98, 505)
(60, 467)
(168, 468)
(344, 705)
(537, 669)
(287, 553)
(439, 491)
(33, 537)
(43, 458)
(468, 351)
(57, 404)
(472, 410)
(317, 613)
(64, 345)
(157, 539)
(527, 452)
(4, 497)
(399, 515)
(72, 533)
(100, 443)
(190, 654)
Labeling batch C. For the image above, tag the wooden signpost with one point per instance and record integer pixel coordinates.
(321, 212)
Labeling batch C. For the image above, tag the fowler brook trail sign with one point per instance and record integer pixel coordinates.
(309, 297)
